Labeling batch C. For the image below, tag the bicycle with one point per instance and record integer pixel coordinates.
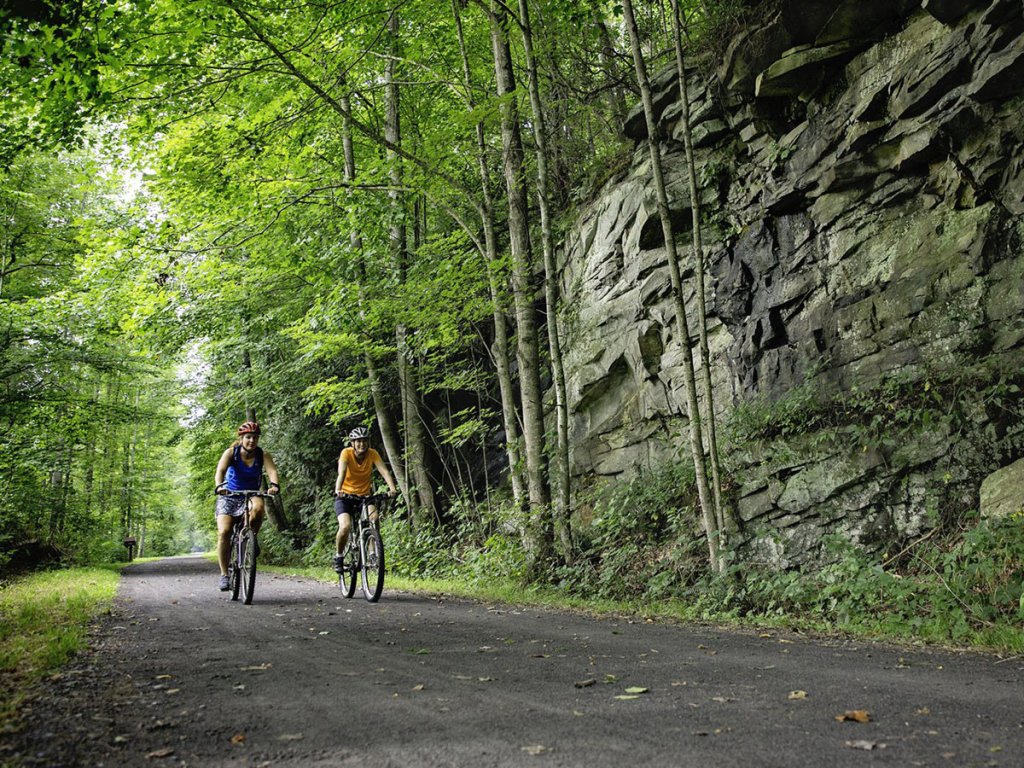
(364, 553)
(242, 560)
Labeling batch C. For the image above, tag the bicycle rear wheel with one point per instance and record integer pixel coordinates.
(234, 577)
(248, 566)
(373, 565)
(349, 567)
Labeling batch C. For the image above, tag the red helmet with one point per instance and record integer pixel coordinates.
(250, 427)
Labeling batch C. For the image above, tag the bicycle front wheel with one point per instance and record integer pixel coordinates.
(349, 567)
(248, 567)
(234, 576)
(373, 565)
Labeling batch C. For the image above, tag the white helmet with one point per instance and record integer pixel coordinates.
(359, 433)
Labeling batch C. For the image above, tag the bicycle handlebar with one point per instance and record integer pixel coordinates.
(261, 494)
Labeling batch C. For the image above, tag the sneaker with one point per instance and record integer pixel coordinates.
(224, 584)
(339, 563)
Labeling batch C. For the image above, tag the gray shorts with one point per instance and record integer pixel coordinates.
(230, 505)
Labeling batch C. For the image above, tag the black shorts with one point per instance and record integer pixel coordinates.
(348, 505)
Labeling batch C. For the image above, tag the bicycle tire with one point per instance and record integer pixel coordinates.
(372, 569)
(234, 577)
(349, 568)
(248, 566)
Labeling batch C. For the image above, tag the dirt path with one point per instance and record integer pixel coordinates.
(179, 675)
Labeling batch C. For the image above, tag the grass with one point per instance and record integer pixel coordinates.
(44, 620)
(996, 638)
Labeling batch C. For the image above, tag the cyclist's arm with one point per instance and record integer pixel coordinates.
(342, 471)
(271, 469)
(386, 474)
(222, 468)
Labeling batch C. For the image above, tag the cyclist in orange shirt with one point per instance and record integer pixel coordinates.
(355, 468)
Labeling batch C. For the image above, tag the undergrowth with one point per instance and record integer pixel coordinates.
(44, 618)
(958, 585)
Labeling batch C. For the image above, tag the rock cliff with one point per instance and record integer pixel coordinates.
(861, 173)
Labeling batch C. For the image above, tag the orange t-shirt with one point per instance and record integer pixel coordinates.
(357, 475)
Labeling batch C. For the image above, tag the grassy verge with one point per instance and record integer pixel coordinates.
(44, 619)
(998, 637)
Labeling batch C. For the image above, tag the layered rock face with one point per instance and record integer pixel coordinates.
(861, 172)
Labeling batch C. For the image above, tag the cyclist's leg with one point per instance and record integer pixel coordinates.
(371, 511)
(256, 514)
(344, 510)
(226, 507)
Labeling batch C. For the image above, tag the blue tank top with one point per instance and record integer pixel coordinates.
(242, 477)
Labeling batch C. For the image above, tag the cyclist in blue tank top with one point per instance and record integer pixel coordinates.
(241, 468)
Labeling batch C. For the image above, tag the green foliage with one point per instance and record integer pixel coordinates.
(642, 539)
(966, 588)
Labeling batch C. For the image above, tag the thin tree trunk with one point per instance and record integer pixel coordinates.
(415, 443)
(523, 289)
(699, 276)
(563, 506)
(499, 346)
(692, 407)
(385, 421)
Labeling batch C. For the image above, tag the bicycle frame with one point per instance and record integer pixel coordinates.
(364, 553)
(242, 558)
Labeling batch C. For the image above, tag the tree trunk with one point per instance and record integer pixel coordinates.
(523, 290)
(563, 506)
(692, 407)
(416, 446)
(385, 421)
(499, 346)
(700, 277)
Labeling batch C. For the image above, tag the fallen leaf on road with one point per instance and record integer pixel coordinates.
(535, 749)
(585, 683)
(798, 694)
(637, 689)
(256, 667)
(419, 687)
(722, 699)
(165, 752)
(163, 677)
(856, 715)
(238, 738)
(485, 679)
(862, 744)
(608, 679)
(627, 697)
(290, 737)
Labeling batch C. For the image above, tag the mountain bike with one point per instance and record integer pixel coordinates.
(364, 553)
(242, 560)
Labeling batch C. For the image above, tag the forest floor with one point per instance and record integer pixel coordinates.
(180, 675)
